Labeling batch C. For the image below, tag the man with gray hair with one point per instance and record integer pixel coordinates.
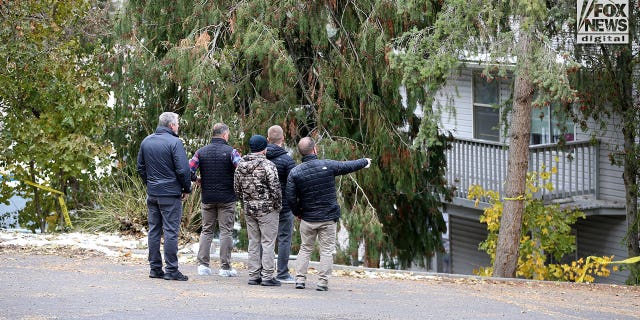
(162, 164)
(217, 162)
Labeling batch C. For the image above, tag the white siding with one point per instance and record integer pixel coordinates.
(465, 234)
(603, 236)
(598, 235)
(455, 102)
(611, 185)
(457, 94)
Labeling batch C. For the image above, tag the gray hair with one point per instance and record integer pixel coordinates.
(168, 118)
(219, 129)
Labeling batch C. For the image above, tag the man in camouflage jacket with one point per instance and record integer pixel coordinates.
(257, 186)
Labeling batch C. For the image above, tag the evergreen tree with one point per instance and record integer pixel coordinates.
(318, 68)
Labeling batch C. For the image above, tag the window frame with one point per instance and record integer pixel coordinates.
(479, 105)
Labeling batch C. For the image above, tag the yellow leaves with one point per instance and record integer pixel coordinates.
(546, 232)
(548, 186)
(545, 175)
(583, 270)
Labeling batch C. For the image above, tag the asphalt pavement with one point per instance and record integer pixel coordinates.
(74, 285)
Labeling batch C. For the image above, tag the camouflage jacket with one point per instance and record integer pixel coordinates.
(256, 185)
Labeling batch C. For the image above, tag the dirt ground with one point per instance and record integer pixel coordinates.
(61, 282)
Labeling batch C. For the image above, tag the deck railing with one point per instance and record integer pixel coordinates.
(474, 162)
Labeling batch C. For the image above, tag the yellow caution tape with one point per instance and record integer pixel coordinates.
(628, 261)
(631, 260)
(518, 198)
(65, 212)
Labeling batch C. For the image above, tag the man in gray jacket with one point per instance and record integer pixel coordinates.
(163, 166)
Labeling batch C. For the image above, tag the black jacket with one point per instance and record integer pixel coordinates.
(162, 164)
(311, 187)
(284, 163)
(216, 172)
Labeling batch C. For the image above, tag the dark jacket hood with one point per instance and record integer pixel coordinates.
(274, 151)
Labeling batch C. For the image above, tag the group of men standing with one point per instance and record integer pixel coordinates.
(270, 188)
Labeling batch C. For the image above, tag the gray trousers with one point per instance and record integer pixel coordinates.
(262, 232)
(285, 233)
(222, 214)
(165, 214)
(325, 233)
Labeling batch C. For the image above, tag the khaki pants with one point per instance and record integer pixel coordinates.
(262, 232)
(222, 214)
(325, 232)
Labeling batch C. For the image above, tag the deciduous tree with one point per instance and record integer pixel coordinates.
(53, 104)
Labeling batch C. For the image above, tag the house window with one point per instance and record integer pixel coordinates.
(486, 115)
(549, 124)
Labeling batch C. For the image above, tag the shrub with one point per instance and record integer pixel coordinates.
(546, 235)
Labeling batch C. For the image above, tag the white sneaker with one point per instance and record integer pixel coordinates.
(204, 270)
(228, 273)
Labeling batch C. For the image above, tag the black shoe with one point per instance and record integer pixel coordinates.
(271, 283)
(177, 275)
(299, 285)
(322, 288)
(156, 273)
(254, 282)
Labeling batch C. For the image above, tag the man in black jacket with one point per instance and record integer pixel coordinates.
(217, 163)
(163, 166)
(311, 194)
(284, 163)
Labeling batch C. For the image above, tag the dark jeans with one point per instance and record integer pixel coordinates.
(165, 214)
(285, 233)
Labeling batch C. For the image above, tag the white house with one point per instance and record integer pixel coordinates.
(586, 179)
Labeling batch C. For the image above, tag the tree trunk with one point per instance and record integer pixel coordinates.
(631, 202)
(506, 261)
(630, 173)
(622, 73)
(42, 221)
